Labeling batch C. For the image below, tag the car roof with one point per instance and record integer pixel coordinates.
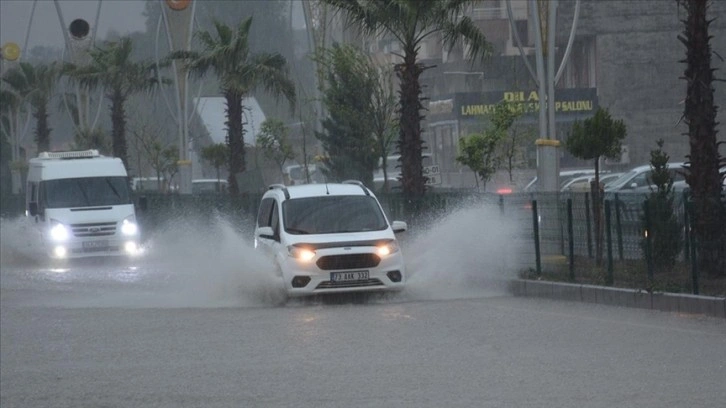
(319, 189)
(646, 167)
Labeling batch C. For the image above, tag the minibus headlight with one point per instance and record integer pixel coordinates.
(58, 231)
(387, 248)
(300, 253)
(128, 226)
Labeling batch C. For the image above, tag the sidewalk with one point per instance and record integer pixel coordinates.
(667, 302)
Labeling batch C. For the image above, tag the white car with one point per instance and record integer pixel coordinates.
(328, 238)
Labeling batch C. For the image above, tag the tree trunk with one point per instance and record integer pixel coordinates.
(118, 124)
(410, 144)
(700, 116)
(235, 140)
(42, 131)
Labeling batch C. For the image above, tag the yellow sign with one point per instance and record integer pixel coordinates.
(572, 101)
(10, 51)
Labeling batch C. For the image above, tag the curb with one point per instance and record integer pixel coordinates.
(666, 302)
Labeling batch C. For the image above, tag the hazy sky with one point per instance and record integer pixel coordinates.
(123, 16)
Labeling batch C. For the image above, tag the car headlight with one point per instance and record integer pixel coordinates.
(300, 253)
(128, 226)
(58, 231)
(387, 247)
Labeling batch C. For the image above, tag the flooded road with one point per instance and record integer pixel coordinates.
(200, 321)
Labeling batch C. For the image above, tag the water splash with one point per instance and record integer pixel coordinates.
(469, 252)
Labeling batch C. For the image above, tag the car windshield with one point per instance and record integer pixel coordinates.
(85, 192)
(332, 214)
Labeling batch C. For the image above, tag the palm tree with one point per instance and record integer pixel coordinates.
(37, 83)
(411, 22)
(227, 53)
(112, 69)
(702, 170)
(15, 98)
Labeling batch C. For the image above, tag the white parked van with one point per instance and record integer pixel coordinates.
(81, 203)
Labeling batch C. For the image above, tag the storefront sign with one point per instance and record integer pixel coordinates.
(570, 104)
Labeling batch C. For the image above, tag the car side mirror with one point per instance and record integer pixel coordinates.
(633, 185)
(33, 208)
(399, 226)
(266, 233)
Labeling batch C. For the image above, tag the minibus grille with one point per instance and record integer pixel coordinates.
(352, 261)
(96, 229)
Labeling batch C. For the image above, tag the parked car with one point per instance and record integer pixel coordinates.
(206, 186)
(582, 183)
(637, 180)
(328, 238)
(565, 177)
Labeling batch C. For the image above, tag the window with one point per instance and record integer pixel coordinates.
(312, 215)
(84, 192)
(263, 215)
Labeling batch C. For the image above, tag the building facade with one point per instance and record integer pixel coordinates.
(625, 57)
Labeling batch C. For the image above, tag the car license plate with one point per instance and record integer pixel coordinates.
(348, 276)
(95, 244)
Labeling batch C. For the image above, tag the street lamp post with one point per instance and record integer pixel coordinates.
(178, 19)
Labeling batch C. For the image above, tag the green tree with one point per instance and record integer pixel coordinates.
(410, 23)
(112, 68)
(384, 117)
(662, 242)
(227, 53)
(591, 139)
(87, 138)
(482, 152)
(478, 152)
(274, 143)
(347, 135)
(217, 156)
(513, 145)
(704, 170)
(38, 85)
(169, 164)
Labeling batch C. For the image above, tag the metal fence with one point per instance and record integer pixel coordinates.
(642, 241)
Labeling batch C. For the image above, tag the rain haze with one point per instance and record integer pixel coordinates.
(120, 16)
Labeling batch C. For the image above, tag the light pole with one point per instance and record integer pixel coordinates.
(177, 17)
(548, 163)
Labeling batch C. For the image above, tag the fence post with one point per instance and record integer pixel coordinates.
(535, 221)
(571, 239)
(587, 223)
(619, 227)
(694, 260)
(609, 237)
(686, 228)
(648, 243)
